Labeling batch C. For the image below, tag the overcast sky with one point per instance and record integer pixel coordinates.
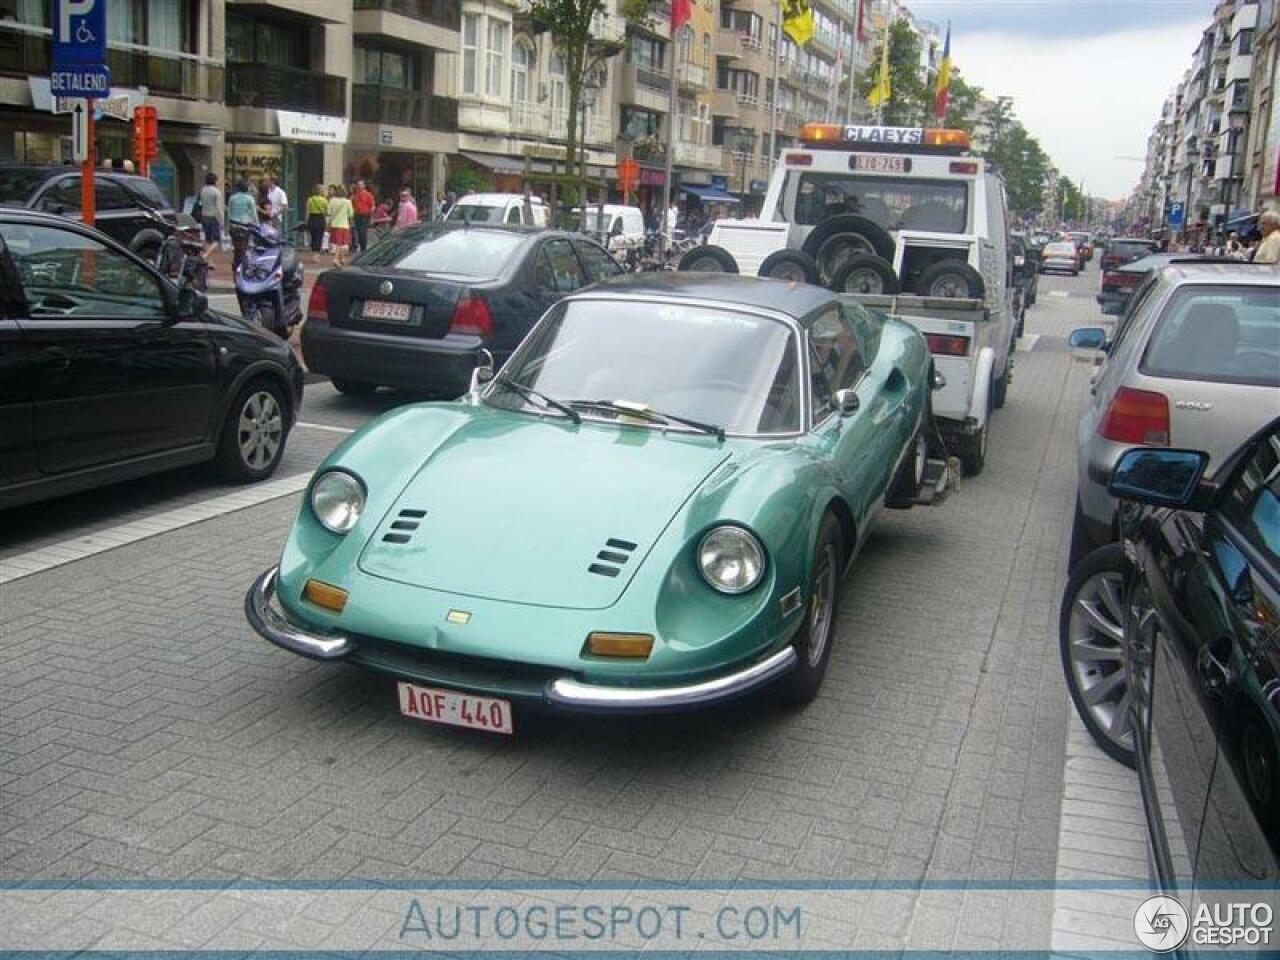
(1088, 77)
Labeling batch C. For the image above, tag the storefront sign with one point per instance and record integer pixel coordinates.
(652, 178)
(119, 104)
(253, 161)
(312, 127)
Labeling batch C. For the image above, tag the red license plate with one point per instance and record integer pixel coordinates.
(455, 709)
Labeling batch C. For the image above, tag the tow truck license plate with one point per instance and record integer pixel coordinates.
(385, 310)
(456, 709)
(873, 163)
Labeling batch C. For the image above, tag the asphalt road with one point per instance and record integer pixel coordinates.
(148, 733)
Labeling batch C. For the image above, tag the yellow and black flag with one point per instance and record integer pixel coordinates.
(797, 21)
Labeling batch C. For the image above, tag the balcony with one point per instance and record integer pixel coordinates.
(724, 103)
(597, 128)
(699, 155)
(26, 51)
(285, 88)
(646, 86)
(441, 13)
(692, 76)
(371, 103)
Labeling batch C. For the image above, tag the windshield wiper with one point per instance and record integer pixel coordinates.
(624, 409)
(531, 394)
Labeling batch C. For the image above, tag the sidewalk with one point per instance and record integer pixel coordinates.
(220, 279)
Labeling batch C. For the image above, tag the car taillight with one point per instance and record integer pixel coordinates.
(947, 346)
(318, 304)
(472, 316)
(1137, 416)
(1113, 278)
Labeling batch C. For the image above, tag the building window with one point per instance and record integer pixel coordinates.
(384, 68)
(521, 61)
(265, 41)
(496, 58)
(470, 42)
(646, 52)
(1244, 43)
(638, 124)
(706, 49)
(559, 94)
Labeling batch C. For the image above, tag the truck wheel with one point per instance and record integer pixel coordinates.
(953, 279)
(708, 259)
(836, 239)
(794, 265)
(972, 448)
(906, 482)
(865, 273)
(1000, 390)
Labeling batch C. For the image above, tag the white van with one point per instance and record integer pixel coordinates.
(619, 228)
(510, 208)
(907, 219)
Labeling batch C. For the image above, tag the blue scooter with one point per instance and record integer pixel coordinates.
(269, 281)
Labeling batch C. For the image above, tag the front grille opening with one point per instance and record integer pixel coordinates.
(611, 557)
(413, 514)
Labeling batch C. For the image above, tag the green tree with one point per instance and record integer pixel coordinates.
(1070, 201)
(907, 104)
(1025, 166)
(962, 104)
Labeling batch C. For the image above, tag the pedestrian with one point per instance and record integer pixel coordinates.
(242, 215)
(213, 213)
(1268, 251)
(277, 203)
(362, 202)
(673, 220)
(340, 216)
(407, 212)
(317, 215)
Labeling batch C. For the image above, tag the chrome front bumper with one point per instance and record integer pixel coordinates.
(562, 692)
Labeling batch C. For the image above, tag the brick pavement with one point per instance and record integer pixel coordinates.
(149, 734)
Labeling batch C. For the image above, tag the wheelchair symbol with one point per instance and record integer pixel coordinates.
(83, 33)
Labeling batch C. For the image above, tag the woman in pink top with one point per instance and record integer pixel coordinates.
(407, 213)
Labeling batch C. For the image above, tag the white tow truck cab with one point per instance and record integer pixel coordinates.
(908, 222)
(514, 209)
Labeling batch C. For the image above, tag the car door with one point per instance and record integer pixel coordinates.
(17, 412)
(116, 376)
(599, 266)
(556, 271)
(1238, 671)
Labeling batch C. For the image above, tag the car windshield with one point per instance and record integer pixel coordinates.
(1220, 333)
(467, 253)
(18, 183)
(710, 364)
(475, 213)
(894, 203)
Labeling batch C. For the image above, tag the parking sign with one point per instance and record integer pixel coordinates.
(80, 49)
(1175, 214)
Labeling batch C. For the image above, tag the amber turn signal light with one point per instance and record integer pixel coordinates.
(325, 595)
(631, 646)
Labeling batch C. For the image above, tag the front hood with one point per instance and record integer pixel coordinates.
(510, 507)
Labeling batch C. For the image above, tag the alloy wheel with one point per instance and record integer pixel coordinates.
(864, 281)
(260, 430)
(822, 605)
(1097, 655)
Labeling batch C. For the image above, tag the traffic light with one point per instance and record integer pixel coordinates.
(146, 145)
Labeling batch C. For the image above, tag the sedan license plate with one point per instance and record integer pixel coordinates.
(385, 310)
(456, 709)
(870, 163)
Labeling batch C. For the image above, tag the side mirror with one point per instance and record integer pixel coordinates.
(846, 402)
(483, 371)
(192, 304)
(1088, 338)
(1160, 477)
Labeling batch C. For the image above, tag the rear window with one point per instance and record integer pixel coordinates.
(468, 253)
(1130, 248)
(475, 213)
(1060, 249)
(894, 203)
(1220, 333)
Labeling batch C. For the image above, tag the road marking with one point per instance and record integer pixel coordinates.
(1062, 294)
(91, 544)
(1027, 342)
(324, 426)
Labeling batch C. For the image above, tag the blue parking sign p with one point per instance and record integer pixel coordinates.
(79, 33)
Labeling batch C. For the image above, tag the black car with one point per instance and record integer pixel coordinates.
(130, 209)
(1119, 283)
(412, 311)
(1026, 276)
(1196, 590)
(108, 371)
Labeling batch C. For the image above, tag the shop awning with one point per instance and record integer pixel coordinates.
(1241, 218)
(712, 194)
(502, 164)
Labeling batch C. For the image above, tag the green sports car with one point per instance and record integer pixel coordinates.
(649, 508)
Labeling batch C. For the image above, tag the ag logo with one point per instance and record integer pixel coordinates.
(1161, 924)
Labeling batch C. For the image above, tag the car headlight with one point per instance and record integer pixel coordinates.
(337, 498)
(730, 559)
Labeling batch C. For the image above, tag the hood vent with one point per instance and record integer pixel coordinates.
(403, 526)
(609, 561)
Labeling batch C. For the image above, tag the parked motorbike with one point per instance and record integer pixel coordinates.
(268, 280)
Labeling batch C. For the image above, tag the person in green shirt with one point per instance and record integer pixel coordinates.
(242, 212)
(317, 213)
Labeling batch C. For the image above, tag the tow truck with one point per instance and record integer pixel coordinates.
(906, 221)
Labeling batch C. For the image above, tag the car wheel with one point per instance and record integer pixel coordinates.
(817, 633)
(1091, 641)
(837, 238)
(865, 273)
(972, 449)
(254, 433)
(354, 388)
(953, 279)
(793, 265)
(1261, 773)
(1000, 389)
(708, 259)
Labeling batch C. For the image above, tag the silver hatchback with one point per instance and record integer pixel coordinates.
(1194, 362)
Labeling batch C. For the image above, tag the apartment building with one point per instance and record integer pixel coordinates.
(406, 92)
